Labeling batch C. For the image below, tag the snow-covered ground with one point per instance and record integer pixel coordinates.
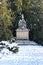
(27, 55)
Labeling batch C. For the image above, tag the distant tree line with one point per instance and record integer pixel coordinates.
(10, 14)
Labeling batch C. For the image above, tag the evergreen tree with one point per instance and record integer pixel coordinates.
(5, 21)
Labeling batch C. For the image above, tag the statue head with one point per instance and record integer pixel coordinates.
(22, 16)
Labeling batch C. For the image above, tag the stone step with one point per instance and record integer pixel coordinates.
(25, 42)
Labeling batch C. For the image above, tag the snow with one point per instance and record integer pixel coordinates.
(27, 55)
(0, 45)
(8, 45)
(12, 45)
(5, 42)
(5, 51)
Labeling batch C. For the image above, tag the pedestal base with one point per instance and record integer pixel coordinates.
(22, 34)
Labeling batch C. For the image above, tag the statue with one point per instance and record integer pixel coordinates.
(22, 32)
(22, 23)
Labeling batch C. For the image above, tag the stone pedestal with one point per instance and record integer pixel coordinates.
(22, 34)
